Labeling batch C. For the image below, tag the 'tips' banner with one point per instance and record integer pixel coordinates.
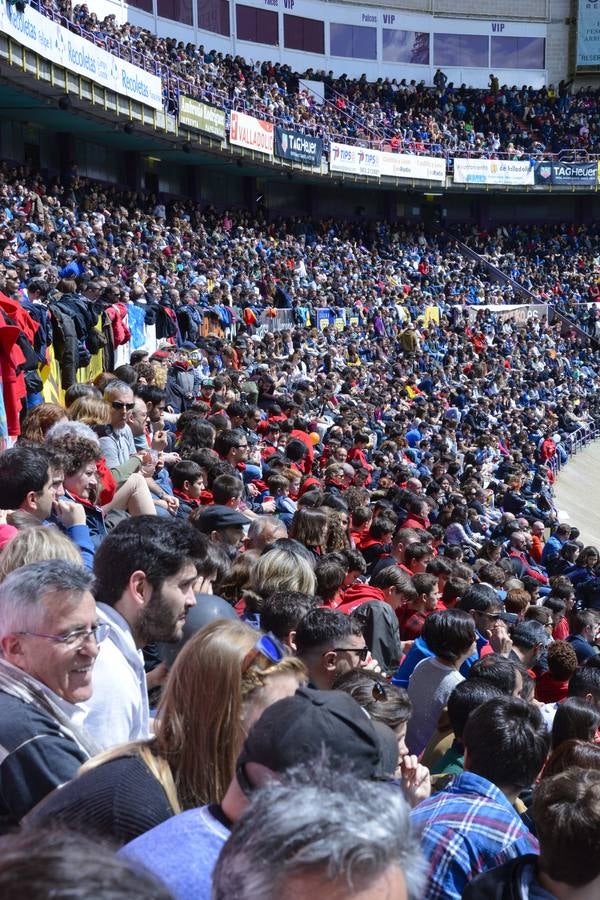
(354, 160)
(566, 173)
(301, 148)
(60, 46)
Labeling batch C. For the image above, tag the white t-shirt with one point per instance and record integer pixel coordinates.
(429, 687)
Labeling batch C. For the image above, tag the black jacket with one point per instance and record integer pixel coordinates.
(36, 757)
(501, 883)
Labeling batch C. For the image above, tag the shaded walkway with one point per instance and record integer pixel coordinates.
(577, 493)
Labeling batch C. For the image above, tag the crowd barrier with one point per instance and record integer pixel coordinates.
(139, 76)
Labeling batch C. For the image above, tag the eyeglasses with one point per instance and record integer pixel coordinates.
(267, 650)
(363, 652)
(119, 404)
(241, 446)
(75, 640)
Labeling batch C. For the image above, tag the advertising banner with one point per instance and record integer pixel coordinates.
(201, 116)
(254, 134)
(588, 34)
(566, 173)
(402, 165)
(60, 46)
(493, 171)
(354, 160)
(301, 148)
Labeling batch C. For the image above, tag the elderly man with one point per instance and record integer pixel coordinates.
(49, 636)
(116, 442)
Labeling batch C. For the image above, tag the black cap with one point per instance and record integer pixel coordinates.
(302, 727)
(214, 517)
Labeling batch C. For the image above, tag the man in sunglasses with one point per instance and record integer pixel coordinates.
(49, 637)
(116, 440)
(330, 643)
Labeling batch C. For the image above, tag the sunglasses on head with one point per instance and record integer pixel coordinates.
(267, 651)
(119, 404)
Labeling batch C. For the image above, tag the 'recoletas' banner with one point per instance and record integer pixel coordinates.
(60, 46)
(301, 148)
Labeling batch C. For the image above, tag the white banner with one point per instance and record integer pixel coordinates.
(60, 46)
(354, 160)
(254, 134)
(493, 171)
(588, 34)
(402, 165)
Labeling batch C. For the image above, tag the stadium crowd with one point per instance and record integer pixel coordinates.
(288, 612)
(398, 114)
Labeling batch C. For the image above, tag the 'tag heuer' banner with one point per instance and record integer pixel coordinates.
(60, 46)
(301, 148)
(493, 171)
(584, 173)
(403, 165)
(354, 160)
(253, 134)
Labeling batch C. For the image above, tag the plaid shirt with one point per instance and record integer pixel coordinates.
(468, 828)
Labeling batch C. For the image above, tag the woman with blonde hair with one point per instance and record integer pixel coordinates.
(90, 411)
(35, 544)
(221, 682)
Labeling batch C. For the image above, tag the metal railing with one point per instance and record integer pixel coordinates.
(387, 139)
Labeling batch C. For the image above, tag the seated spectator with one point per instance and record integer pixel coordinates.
(297, 730)
(552, 686)
(181, 766)
(584, 633)
(223, 525)
(575, 719)
(579, 753)
(329, 643)
(413, 615)
(35, 544)
(466, 697)
(38, 864)
(505, 674)
(49, 637)
(567, 818)
(188, 483)
(332, 855)
(470, 826)
(145, 573)
(529, 641)
(450, 636)
(282, 612)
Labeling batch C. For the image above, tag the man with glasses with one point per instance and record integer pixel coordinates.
(49, 637)
(116, 442)
(330, 643)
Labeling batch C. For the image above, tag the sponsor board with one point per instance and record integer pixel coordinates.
(201, 116)
(493, 171)
(354, 160)
(403, 165)
(253, 134)
(585, 173)
(301, 148)
(64, 48)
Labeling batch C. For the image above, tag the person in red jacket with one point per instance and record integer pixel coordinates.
(419, 606)
(391, 586)
(552, 686)
(357, 453)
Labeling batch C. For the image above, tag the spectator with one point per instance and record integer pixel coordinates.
(471, 826)
(329, 643)
(49, 636)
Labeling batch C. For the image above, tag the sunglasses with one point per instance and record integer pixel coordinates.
(119, 404)
(267, 651)
(363, 652)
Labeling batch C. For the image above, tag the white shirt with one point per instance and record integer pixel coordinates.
(75, 712)
(118, 708)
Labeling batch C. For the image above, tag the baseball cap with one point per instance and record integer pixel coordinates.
(299, 728)
(214, 517)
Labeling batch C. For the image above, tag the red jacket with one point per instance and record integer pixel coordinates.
(13, 381)
(357, 594)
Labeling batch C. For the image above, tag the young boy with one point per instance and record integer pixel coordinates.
(279, 489)
(187, 479)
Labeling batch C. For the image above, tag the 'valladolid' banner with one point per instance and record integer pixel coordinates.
(60, 46)
(301, 148)
(253, 134)
(585, 173)
(493, 171)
